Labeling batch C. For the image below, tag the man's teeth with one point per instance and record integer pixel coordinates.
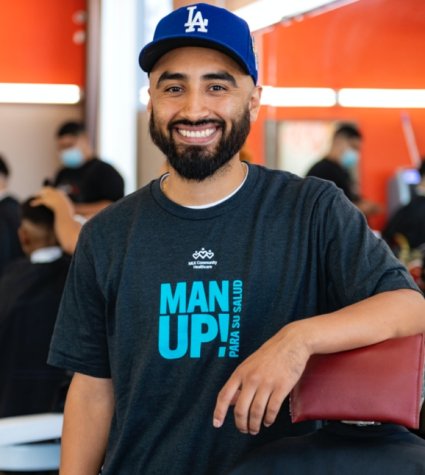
(196, 134)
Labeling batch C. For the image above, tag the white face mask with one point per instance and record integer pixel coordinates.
(72, 157)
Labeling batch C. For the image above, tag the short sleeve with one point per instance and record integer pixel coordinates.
(356, 264)
(79, 341)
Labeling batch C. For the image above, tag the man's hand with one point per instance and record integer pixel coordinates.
(259, 385)
(54, 199)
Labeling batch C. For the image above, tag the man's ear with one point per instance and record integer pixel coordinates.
(149, 104)
(254, 103)
(24, 237)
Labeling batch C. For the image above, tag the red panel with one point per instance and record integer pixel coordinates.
(37, 42)
(371, 43)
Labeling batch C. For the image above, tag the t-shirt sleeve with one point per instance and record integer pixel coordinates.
(79, 340)
(355, 263)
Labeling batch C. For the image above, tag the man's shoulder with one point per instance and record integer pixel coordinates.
(10, 210)
(324, 165)
(9, 202)
(292, 183)
(98, 165)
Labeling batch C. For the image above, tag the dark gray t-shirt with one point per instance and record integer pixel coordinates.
(167, 301)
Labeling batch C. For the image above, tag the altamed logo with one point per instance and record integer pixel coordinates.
(199, 314)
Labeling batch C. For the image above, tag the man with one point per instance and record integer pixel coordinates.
(408, 223)
(405, 232)
(9, 220)
(337, 166)
(30, 292)
(194, 293)
(90, 183)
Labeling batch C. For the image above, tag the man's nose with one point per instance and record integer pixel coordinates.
(195, 106)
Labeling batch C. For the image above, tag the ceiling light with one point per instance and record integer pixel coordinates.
(298, 96)
(20, 93)
(382, 98)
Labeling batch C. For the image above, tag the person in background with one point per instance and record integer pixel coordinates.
(67, 224)
(30, 292)
(337, 166)
(409, 221)
(405, 232)
(91, 183)
(10, 247)
(209, 288)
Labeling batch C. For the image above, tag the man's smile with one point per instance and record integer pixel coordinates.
(195, 135)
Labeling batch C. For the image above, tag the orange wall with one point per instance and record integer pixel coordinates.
(37, 42)
(371, 43)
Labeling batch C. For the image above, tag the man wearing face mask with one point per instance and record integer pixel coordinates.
(339, 163)
(90, 183)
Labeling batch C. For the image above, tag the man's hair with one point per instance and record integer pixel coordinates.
(71, 128)
(4, 169)
(39, 215)
(347, 131)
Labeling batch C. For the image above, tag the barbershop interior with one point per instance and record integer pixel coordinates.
(342, 92)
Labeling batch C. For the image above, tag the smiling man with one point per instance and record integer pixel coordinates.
(212, 286)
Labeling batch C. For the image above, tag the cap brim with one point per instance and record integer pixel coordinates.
(151, 53)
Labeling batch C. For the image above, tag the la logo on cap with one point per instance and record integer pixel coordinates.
(196, 20)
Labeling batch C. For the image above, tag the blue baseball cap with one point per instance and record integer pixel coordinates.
(202, 25)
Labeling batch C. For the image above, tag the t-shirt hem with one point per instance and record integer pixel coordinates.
(64, 362)
(399, 285)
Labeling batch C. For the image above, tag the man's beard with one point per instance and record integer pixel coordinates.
(195, 162)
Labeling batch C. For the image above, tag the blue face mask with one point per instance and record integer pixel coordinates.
(350, 158)
(72, 157)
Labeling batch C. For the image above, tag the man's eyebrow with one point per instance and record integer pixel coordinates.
(167, 76)
(216, 76)
(221, 76)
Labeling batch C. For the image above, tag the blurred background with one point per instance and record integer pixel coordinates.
(321, 62)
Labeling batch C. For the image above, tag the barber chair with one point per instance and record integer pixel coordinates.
(366, 399)
(30, 443)
(381, 382)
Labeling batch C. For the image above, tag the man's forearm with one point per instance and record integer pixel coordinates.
(386, 315)
(88, 413)
(67, 231)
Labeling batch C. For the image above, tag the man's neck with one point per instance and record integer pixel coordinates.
(215, 188)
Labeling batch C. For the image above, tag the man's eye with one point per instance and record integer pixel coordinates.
(173, 89)
(217, 87)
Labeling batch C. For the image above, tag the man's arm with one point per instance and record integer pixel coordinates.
(88, 413)
(260, 384)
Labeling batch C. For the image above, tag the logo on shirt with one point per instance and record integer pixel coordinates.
(202, 260)
(195, 21)
(198, 317)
